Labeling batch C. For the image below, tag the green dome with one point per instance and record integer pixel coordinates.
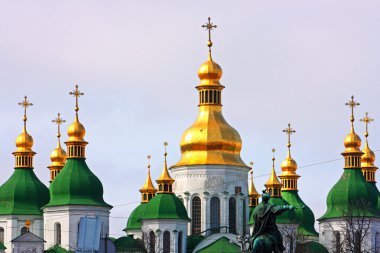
(129, 244)
(222, 245)
(193, 241)
(378, 194)
(135, 216)
(165, 206)
(349, 193)
(304, 216)
(23, 194)
(287, 217)
(76, 185)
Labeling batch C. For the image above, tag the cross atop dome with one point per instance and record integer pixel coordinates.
(209, 26)
(25, 104)
(366, 121)
(76, 93)
(352, 104)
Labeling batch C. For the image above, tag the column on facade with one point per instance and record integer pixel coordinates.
(224, 212)
(205, 211)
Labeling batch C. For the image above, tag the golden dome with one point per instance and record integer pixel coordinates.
(289, 165)
(273, 181)
(368, 158)
(24, 142)
(210, 73)
(58, 156)
(252, 192)
(148, 187)
(352, 142)
(76, 131)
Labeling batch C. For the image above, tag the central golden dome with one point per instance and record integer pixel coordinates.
(210, 140)
(24, 142)
(76, 131)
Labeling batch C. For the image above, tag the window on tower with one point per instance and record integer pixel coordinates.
(180, 241)
(152, 242)
(57, 230)
(1, 234)
(166, 242)
(215, 215)
(196, 216)
(232, 215)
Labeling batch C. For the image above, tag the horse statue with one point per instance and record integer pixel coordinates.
(266, 238)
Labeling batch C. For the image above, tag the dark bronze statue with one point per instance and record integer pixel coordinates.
(266, 238)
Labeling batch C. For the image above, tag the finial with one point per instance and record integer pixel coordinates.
(251, 165)
(366, 121)
(27, 224)
(273, 151)
(25, 104)
(289, 131)
(352, 104)
(58, 121)
(148, 158)
(209, 26)
(76, 93)
(165, 145)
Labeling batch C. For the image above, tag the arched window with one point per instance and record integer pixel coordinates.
(338, 244)
(180, 242)
(1, 234)
(215, 215)
(196, 218)
(166, 242)
(232, 215)
(57, 230)
(152, 242)
(24, 230)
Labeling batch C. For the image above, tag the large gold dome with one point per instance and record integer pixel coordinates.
(76, 131)
(24, 142)
(210, 140)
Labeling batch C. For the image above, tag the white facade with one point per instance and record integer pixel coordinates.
(289, 236)
(68, 217)
(208, 181)
(13, 224)
(28, 243)
(329, 229)
(176, 228)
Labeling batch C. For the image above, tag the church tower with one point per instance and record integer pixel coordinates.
(74, 193)
(58, 156)
(23, 195)
(289, 190)
(211, 177)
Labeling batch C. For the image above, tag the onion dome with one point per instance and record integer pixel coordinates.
(352, 193)
(76, 184)
(252, 192)
(148, 190)
(273, 185)
(133, 223)
(23, 193)
(58, 156)
(165, 205)
(368, 158)
(289, 176)
(210, 140)
(288, 217)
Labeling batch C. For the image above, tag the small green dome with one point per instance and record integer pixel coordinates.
(193, 241)
(129, 244)
(165, 206)
(311, 247)
(23, 194)
(135, 216)
(287, 217)
(76, 185)
(351, 192)
(304, 216)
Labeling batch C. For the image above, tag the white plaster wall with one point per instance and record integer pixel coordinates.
(327, 238)
(207, 181)
(12, 225)
(69, 218)
(173, 226)
(28, 247)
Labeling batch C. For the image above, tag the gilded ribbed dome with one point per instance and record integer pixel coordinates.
(288, 165)
(210, 72)
(368, 158)
(76, 131)
(352, 142)
(58, 156)
(24, 142)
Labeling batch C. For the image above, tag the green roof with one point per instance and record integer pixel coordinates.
(57, 249)
(135, 216)
(349, 194)
(287, 217)
(76, 185)
(2, 247)
(373, 185)
(304, 216)
(222, 245)
(23, 194)
(165, 206)
(129, 244)
(193, 241)
(311, 247)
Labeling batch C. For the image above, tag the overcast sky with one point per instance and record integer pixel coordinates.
(137, 61)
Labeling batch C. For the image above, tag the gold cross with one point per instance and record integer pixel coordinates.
(366, 121)
(25, 104)
(352, 104)
(59, 121)
(289, 131)
(209, 26)
(76, 93)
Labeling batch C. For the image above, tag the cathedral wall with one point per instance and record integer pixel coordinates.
(208, 181)
(13, 224)
(69, 217)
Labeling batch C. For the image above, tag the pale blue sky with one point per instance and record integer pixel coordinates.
(136, 61)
